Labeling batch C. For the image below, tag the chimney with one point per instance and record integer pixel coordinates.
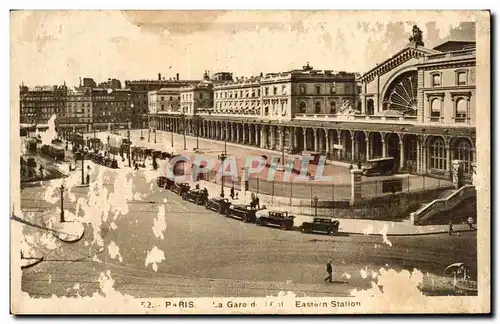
(159, 76)
(177, 76)
(261, 74)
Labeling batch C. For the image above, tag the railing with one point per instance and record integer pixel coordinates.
(445, 204)
(409, 184)
(449, 55)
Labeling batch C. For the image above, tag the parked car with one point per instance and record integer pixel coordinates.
(381, 166)
(279, 218)
(180, 188)
(220, 205)
(245, 213)
(164, 182)
(197, 196)
(321, 224)
(31, 163)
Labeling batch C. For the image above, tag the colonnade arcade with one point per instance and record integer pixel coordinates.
(416, 153)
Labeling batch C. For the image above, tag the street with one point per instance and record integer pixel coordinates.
(155, 244)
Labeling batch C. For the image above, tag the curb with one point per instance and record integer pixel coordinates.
(407, 234)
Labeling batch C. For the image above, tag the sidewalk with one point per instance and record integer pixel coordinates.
(347, 226)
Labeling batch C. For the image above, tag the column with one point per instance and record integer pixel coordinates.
(271, 128)
(342, 142)
(257, 142)
(448, 158)
(356, 193)
(384, 147)
(401, 155)
(354, 151)
(291, 141)
(262, 138)
(281, 134)
(327, 138)
(237, 133)
(244, 134)
(457, 173)
(315, 133)
(304, 133)
(419, 155)
(368, 147)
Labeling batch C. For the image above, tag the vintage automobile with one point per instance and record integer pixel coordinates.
(218, 204)
(321, 224)
(164, 182)
(276, 218)
(180, 188)
(381, 166)
(31, 162)
(244, 212)
(197, 196)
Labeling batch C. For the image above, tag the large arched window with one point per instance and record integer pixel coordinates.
(436, 108)
(437, 152)
(463, 152)
(461, 110)
(317, 107)
(333, 107)
(302, 107)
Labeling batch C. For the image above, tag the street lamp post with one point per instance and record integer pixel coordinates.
(184, 129)
(149, 134)
(171, 135)
(61, 188)
(315, 206)
(154, 131)
(83, 161)
(197, 131)
(129, 149)
(223, 157)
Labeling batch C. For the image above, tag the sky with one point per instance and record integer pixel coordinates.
(52, 47)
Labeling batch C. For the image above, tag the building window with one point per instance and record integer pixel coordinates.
(463, 152)
(347, 89)
(438, 159)
(302, 89)
(283, 90)
(162, 107)
(333, 88)
(436, 80)
(275, 90)
(436, 108)
(370, 107)
(333, 107)
(317, 107)
(201, 95)
(258, 92)
(462, 78)
(302, 107)
(318, 89)
(461, 110)
(266, 91)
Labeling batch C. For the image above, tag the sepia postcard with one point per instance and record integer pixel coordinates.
(250, 162)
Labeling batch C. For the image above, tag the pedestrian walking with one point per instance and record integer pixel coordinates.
(88, 179)
(359, 164)
(450, 229)
(257, 202)
(41, 171)
(329, 270)
(470, 221)
(236, 196)
(231, 194)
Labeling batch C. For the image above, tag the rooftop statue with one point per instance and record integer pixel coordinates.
(416, 36)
